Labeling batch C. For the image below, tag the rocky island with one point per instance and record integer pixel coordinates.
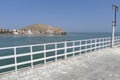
(35, 29)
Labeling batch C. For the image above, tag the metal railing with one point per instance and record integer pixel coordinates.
(14, 58)
(117, 41)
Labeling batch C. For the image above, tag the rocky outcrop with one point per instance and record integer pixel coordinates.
(58, 30)
(42, 29)
(35, 29)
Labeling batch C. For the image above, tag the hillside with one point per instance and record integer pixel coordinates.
(43, 29)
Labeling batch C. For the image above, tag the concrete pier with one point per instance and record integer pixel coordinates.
(99, 65)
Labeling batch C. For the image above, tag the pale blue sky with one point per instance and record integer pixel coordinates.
(71, 15)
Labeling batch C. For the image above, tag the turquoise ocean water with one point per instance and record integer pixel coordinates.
(18, 40)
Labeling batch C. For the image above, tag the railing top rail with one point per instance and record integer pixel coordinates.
(52, 43)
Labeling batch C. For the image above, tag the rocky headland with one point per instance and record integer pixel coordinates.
(35, 29)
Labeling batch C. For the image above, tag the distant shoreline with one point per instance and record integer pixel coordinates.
(35, 29)
(29, 35)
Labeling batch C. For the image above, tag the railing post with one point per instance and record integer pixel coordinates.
(95, 44)
(91, 45)
(109, 42)
(99, 43)
(80, 48)
(56, 52)
(73, 48)
(44, 54)
(102, 42)
(65, 49)
(118, 40)
(31, 56)
(105, 42)
(85, 46)
(15, 58)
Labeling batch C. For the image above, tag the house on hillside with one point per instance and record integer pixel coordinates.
(29, 32)
(14, 31)
(51, 32)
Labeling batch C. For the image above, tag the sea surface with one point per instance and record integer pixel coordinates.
(19, 40)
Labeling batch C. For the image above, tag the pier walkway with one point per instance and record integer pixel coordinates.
(103, 64)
